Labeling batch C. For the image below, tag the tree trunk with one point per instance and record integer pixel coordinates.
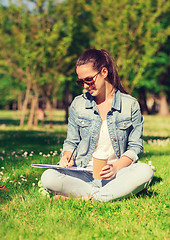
(49, 108)
(142, 101)
(20, 103)
(32, 112)
(54, 102)
(48, 105)
(163, 108)
(24, 106)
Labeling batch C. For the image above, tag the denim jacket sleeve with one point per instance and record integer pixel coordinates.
(135, 141)
(73, 137)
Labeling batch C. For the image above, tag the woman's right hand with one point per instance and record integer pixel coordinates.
(64, 161)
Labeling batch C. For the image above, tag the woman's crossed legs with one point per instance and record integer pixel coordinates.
(129, 180)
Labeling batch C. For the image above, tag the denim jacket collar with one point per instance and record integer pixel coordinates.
(90, 103)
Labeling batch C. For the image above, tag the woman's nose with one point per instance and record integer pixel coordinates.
(86, 86)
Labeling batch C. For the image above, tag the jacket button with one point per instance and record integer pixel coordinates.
(114, 139)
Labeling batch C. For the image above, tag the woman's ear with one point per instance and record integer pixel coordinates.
(104, 72)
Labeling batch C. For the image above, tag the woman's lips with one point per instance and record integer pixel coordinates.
(91, 91)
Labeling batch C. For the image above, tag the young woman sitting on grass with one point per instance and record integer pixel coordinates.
(104, 123)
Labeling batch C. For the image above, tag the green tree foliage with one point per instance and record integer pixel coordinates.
(40, 47)
(136, 33)
(34, 45)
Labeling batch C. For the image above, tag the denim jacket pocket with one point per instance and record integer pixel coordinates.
(84, 126)
(123, 129)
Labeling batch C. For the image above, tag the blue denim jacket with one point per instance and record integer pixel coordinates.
(125, 126)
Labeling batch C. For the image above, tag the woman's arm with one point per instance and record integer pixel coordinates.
(135, 138)
(73, 137)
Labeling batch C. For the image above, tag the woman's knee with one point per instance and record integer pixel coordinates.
(47, 177)
(145, 171)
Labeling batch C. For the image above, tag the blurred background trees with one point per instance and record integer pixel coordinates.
(39, 47)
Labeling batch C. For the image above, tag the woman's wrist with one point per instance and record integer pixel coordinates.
(124, 161)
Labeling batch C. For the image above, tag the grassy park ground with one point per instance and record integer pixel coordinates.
(26, 214)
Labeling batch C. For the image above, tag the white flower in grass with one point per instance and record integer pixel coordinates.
(40, 153)
(22, 176)
(3, 151)
(153, 168)
(24, 179)
(149, 163)
(2, 167)
(1, 173)
(36, 179)
(25, 154)
(32, 152)
(55, 153)
(30, 155)
(51, 152)
(33, 184)
(48, 155)
(5, 179)
(22, 150)
(19, 183)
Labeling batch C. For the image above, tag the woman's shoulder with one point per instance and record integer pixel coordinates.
(82, 98)
(81, 101)
(128, 99)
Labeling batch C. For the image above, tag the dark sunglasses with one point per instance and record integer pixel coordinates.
(88, 80)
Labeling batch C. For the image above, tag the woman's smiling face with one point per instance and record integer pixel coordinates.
(86, 70)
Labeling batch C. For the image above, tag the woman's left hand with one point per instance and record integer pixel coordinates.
(108, 172)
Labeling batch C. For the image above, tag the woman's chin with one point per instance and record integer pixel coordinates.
(92, 92)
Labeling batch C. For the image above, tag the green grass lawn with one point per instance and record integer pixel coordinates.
(26, 214)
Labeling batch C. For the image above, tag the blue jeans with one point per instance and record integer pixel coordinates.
(127, 181)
